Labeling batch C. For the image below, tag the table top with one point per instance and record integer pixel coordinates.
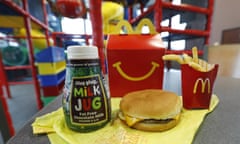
(220, 126)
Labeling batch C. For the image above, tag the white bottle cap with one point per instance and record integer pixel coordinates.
(82, 52)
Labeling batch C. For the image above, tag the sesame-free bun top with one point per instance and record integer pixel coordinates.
(151, 104)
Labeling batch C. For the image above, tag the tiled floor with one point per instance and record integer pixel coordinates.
(22, 106)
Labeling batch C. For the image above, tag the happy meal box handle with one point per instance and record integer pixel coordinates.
(148, 23)
(138, 29)
(126, 25)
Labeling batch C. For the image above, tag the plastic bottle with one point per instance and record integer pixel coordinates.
(86, 103)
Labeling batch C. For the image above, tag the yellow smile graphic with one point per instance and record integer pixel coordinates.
(124, 75)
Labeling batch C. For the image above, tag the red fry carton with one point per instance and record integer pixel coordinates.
(197, 86)
(134, 63)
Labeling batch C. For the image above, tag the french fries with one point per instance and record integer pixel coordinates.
(195, 54)
(173, 57)
(187, 58)
(194, 61)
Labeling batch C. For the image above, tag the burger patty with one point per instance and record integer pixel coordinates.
(154, 121)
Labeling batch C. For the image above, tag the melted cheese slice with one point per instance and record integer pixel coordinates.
(177, 117)
(131, 120)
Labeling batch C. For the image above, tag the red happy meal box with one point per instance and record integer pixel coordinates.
(134, 62)
(197, 87)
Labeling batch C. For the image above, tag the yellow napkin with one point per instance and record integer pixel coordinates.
(44, 124)
(115, 132)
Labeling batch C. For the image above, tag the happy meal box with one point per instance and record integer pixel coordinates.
(134, 59)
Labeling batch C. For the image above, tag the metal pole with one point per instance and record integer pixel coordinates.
(96, 19)
(31, 55)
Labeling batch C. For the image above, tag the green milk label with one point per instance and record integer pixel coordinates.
(88, 100)
(86, 104)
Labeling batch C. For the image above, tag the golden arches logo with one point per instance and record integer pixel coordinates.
(124, 75)
(204, 83)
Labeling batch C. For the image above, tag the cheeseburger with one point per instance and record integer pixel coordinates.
(150, 110)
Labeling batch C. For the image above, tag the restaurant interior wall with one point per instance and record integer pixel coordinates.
(224, 17)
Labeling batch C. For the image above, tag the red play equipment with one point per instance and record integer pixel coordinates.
(7, 128)
(71, 8)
